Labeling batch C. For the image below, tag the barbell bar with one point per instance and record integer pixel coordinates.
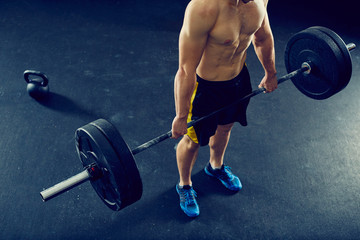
(323, 69)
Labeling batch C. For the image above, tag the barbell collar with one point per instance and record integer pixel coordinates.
(307, 65)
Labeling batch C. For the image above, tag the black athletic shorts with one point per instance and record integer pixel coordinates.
(210, 96)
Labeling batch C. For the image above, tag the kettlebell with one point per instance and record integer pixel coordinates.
(38, 86)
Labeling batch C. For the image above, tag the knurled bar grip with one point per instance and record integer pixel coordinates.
(154, 141)
(65, 185)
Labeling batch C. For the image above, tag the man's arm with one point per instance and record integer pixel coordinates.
(263, 42)
(198, 21)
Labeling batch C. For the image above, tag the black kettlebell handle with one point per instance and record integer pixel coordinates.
(45, 80)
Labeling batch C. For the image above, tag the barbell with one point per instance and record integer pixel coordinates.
(317, 61)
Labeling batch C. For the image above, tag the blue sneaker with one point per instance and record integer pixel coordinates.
(226, 177)
(187, 200)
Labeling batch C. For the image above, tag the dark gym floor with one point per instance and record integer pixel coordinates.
(299, 159)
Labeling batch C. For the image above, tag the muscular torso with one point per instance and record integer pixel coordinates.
(225, 51)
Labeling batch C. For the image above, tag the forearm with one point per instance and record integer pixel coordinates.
(265, 51)
(183, 89)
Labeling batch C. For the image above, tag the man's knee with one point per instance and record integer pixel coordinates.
(189, 144)
(222, 135)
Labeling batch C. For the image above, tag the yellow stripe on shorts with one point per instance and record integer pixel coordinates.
(191, 131)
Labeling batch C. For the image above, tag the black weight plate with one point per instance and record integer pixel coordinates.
(120, 186)
(343, 56)
(339, 63)
(125, 154)
(338, 54)
(313, 46)
(92, 148)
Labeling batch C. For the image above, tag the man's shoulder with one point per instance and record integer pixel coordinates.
(204, 7)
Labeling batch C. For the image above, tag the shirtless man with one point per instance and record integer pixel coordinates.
(212, 73)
